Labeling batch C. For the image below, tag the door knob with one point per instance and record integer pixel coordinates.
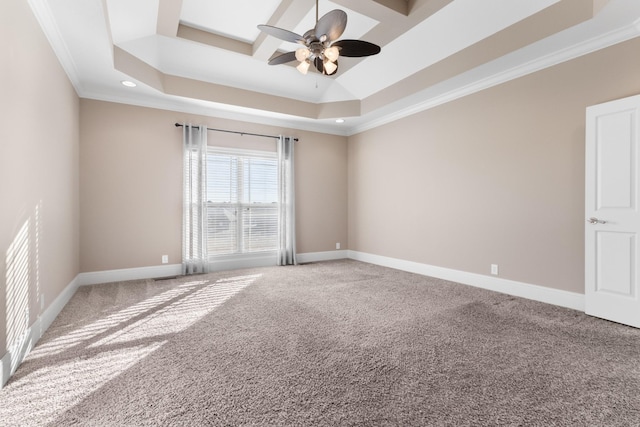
(593, 220)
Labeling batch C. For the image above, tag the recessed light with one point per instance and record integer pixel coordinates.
(339, 120)
(128, 83)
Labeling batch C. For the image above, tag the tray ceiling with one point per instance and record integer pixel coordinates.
(208, 57)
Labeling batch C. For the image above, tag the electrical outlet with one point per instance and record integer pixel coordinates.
(165, 259)
(494, 269)
(338, 245)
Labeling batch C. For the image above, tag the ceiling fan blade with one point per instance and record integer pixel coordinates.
(283, 59)
(356, 48)
(285, 35)
(331, 25)
(320, 67)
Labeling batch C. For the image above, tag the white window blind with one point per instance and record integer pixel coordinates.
(242, 201)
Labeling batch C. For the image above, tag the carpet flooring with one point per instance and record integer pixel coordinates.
(339, 343)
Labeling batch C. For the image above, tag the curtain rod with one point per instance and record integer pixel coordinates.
(239, 133)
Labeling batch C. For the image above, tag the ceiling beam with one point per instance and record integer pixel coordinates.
(169, 17)
(105, 11)
(199, 36)
(400, 6)
(376, 10)
(288, 14)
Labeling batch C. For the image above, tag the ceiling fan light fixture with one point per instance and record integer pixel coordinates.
(303, 66)
(330, 67)
(332, 53)
(302, 54)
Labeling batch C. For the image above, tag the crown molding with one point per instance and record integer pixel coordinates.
(44, 16)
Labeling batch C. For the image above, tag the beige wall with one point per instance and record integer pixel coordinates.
(495, 177)
(39, 207)
(131, 183)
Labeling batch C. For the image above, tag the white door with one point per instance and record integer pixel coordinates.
(612, 227)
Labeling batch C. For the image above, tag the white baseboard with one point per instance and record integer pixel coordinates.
(321, 256)
(107, 276)
(17, 353)
(511, 287)
(223, 263)
(519, 289)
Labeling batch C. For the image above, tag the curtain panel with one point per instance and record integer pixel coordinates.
(286, 199)
(194, 234)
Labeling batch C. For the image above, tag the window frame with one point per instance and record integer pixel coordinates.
(242, 205)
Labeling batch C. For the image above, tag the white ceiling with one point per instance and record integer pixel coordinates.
(208, 57)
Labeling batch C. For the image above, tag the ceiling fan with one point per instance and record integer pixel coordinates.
(320, 45)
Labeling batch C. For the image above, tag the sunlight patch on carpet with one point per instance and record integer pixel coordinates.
(111, 345)
(177, 316)
(72, 381)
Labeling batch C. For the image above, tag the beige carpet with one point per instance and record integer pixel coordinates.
(336, 343)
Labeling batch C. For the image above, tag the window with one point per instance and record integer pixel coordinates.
(242, 201)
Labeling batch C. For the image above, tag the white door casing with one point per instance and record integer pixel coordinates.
(612, 226)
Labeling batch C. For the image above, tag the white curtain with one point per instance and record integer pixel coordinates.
(286, 199)
(194, 240)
